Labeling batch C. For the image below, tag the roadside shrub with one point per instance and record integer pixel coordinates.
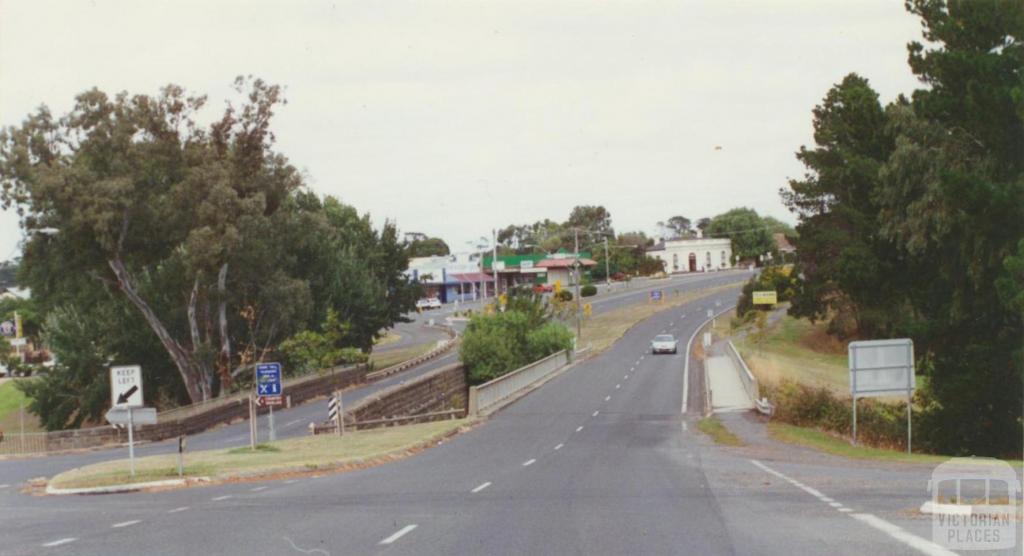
(550, 338)
(588, 290)
(564, 295)
(879, 423)
(777, 278)
(494, 345)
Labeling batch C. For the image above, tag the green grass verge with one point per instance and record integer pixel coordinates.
(824, 442)
(714, 428)
(385, 359)
(294, 454)
(10, 400)
(797, 350)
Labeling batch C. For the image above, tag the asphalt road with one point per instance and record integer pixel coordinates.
(601, 460)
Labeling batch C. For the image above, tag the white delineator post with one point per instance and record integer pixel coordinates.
(131, 442)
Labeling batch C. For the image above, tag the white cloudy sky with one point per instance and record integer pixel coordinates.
(456, 117)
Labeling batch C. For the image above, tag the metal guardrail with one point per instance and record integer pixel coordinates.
(501, 391)
(28, 443)
(750, 382)
(447, 345)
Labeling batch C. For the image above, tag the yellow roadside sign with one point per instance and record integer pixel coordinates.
(765, 298)
(587, 309)
(558, 286)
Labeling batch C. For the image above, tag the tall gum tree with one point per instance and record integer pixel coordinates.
(140, 193)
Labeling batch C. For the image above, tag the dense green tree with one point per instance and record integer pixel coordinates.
(954, 200)
(202, 238)
(430, 246)
(748, 232)
(850, 269)
(676, 227)
(592, 218)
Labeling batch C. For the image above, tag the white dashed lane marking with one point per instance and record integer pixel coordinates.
(595, 414)
(257, 489)
(559, 447)
(125, 523)
(578, 429)
(529, 462)
(606, 398)
(176, 510)
(59, 542)
(399, 534)
(481, 487)
(219, 498)
(617, 386)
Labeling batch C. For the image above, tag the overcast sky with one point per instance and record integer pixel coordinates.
(453, 118)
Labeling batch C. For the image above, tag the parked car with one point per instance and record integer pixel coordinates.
(664, 343)
(428, 303)
(619, 276)
(542, 288)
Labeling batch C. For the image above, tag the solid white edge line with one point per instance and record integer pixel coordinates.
(59, 542)
(686, 359)
(125, 523)
(893, 530)
(898, 533)
(529, 462)
(481, 487)
(399, 534)
(178, 509)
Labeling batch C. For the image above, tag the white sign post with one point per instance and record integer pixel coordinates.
(882, 368)
(126, 392)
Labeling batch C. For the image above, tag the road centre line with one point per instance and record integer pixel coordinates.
(481, 487)
(290, 423)
(125, 523)
(178, 509)
(559, 447)
(893, 530)
(399, 534)
(59, 542)
(529, 462)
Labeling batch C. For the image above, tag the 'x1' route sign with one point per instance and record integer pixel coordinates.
(268, 379)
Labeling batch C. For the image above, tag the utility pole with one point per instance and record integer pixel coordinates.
(494, 260)
(576, 268)
(607, 278)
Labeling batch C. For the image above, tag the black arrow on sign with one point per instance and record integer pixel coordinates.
(126, 394)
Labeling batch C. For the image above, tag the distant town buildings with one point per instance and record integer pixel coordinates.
(694, 254)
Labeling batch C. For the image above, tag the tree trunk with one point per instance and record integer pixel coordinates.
(224, 358)
(182, 360)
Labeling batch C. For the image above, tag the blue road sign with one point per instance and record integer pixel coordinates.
(268, 379)
(656, 295)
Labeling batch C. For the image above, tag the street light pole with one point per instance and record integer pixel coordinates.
(607, 278)
(576, 269)
(494, 260)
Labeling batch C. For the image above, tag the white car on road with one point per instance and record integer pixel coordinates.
(664, 343)
(428, 303)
